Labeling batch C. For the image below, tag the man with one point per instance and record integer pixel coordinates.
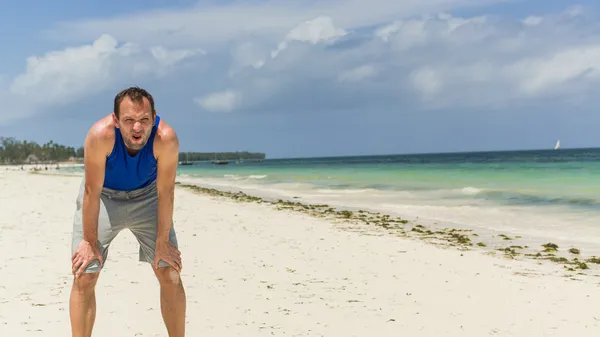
(130, 160)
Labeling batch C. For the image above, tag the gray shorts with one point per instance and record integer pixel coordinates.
(135, 210)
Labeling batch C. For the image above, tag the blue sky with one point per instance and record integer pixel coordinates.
(310, 78)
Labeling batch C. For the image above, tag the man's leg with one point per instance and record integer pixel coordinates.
(172, 293)
(82, 303)
(172, 300)
(144, 225)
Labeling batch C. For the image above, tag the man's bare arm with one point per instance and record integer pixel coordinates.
(167, 161)
(94, 161)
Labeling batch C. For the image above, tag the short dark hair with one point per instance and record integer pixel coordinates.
(136, 94)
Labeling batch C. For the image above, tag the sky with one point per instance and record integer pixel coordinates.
(310, 78)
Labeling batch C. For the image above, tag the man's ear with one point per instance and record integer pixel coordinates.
(115, 120)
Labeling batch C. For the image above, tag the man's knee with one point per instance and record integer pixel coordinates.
(168, 276)
(86, 282)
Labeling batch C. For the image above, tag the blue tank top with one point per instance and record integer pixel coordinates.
(125, 172)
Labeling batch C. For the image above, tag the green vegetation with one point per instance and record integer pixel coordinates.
(13, 151)
(550, 247)
(207, 156)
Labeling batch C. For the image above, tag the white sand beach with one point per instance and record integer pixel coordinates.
(252, 270)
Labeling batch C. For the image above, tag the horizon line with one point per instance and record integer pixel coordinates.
(437, 153)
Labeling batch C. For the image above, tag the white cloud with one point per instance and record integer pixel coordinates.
(533, 20)
(65, 74)
(223, 101)
(575, 10)
(426, 81)
(442, 28)
(475, 62)
(410, 34)
(218, 23)
(247, 54)
(358, 73)
(497, 65)
(332, 55)
(74, 73)
(167, 58)
(537, 75)
(386, 31)
(320, 29)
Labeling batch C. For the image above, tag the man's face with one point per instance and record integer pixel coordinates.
(135, 122)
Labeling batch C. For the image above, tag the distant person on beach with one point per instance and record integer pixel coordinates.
(131, 158)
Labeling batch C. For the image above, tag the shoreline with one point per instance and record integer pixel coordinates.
(572, 259)
(529, 224)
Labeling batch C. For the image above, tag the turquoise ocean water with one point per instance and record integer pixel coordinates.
(543, 195)
(546, 194)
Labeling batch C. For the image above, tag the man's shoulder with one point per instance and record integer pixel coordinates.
(166, 138)
(101, 134)
(165, 141)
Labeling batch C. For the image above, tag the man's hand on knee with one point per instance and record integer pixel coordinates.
(168, 253)
(84, 254)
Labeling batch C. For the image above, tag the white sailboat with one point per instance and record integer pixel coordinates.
(557, 145)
